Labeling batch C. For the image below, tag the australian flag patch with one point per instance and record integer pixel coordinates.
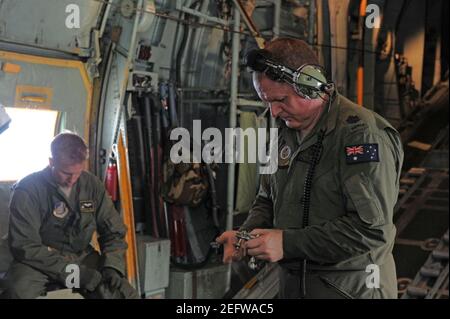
(361, 153)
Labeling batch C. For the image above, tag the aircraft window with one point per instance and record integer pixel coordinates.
(25, 145)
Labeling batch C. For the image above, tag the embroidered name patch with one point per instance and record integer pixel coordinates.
(87, 206)
(361, 153)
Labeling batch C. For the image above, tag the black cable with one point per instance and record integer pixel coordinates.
(150, 176)
(307, 187)
(197, 265)
(213, 193)
(317, 147)
(182, 47)
(155, 105)
(179, 56)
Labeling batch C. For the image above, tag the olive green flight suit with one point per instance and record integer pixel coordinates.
(48, 231)
(350, 234)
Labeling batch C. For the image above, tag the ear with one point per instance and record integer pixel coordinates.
(50, 161)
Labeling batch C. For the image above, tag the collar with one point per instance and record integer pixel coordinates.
(327, 121)
(48, 176)
(328, 118)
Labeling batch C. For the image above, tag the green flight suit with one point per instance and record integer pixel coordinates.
(353, 194)
(48, 231)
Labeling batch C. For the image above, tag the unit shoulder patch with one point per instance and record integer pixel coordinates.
(284, 156)
(60, 210)
(361, 153)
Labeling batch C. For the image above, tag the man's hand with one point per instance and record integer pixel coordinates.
(111, 277)
(267, 246)
(89, 278)
(229, 240)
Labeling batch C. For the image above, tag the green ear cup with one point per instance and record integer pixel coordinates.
(309, 81)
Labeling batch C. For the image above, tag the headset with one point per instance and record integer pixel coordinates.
(309, 80)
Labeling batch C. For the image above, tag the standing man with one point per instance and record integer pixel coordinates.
(53, 215)
(326, 214)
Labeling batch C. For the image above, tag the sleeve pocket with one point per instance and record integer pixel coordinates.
(115, 225)
(360, 191)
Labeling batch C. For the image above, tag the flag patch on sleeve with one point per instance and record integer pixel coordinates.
(361, 153)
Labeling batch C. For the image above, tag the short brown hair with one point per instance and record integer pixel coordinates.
(69, 148)
(291, 52)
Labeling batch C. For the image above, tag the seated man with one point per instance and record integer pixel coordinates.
(53, 215)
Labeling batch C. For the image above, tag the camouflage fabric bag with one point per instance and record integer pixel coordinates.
(185, 183)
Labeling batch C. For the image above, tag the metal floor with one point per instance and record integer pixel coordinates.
(421, 247)
(422, 217)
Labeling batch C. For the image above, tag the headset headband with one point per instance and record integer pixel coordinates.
(309, 80)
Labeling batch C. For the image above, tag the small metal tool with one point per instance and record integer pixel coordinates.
(242, 236)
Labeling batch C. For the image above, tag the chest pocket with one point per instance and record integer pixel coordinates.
(87, 212)
(87, 222)
(85, 226)
(53, 229)
(325, 178)
(326, 194)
